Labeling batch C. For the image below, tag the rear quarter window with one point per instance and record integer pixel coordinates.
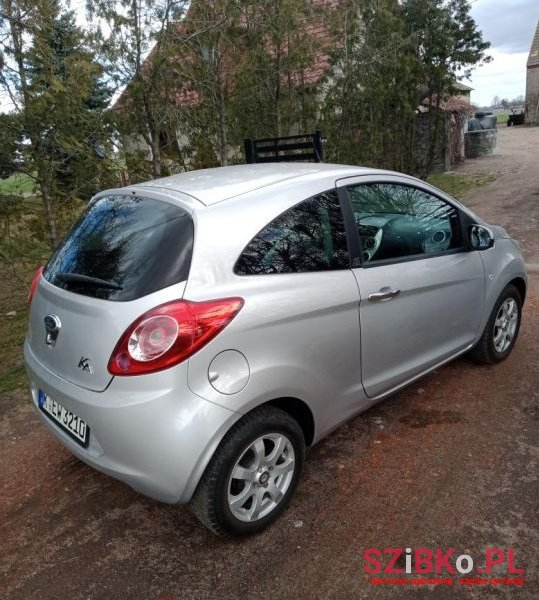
(308, 237)
(140, 245)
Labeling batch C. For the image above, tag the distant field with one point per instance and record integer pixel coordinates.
(18, 183)
(502, 117)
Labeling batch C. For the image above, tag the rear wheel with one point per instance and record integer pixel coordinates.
(252, 475)
(501, 330)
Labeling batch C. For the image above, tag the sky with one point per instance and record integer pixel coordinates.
(509, 25)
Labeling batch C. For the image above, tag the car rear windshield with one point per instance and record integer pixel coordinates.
(124, 247)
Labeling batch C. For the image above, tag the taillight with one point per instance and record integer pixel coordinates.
(33, 286)
(170, 333)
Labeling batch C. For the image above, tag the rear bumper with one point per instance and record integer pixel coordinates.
(150, 431)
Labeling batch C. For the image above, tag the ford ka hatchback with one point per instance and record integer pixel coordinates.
(193, 335)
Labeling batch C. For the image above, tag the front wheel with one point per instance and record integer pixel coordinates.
(252, 475)
(501, 330)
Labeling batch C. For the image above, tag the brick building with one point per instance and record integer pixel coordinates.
(532, 81)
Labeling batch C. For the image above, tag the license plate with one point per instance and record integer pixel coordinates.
(64, 418)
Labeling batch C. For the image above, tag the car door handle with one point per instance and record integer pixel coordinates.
(385, 293)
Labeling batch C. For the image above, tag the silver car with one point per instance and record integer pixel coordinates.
(193, 335)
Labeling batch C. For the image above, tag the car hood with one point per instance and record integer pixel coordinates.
(498, 232)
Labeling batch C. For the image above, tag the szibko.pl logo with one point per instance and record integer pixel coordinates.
(444, 563)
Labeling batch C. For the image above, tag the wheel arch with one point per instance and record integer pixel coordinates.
(298, 410)
(520, 284)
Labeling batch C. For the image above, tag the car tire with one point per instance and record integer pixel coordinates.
(266, 450)
(504, 319)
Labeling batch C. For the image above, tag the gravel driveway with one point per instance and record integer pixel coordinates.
(452, 461)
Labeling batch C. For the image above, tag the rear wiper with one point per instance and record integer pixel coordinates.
(84, 279)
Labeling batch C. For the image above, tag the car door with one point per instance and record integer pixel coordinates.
(421, 289)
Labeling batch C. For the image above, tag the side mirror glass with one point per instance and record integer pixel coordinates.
(480, 238)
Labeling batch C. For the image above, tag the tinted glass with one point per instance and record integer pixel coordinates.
(308, 237)
(140, 244)
(396, 221)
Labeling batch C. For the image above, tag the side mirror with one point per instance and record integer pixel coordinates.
(480, 238)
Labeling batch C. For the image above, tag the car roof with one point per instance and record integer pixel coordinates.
(210, 186)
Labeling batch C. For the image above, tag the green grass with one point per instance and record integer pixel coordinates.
(23, 247)
(502, 117)
(13, 297)
(456, 184)
(12, 379)
(18, 183)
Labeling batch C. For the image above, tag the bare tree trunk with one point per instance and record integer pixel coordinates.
(43, 174)
(47, 204)
(155, 149)
(222, 132)
(221, 110)
(277, 74)
(150, 130)
(434, 131)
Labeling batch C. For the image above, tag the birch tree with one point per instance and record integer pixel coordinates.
(56, 100)
(134, 39)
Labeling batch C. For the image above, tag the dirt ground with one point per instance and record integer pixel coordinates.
(452, 461)
(512, 200)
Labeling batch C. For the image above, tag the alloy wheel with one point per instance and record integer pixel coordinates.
(505, 325)
(261, 477)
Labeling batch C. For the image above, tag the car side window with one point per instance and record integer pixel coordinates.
(307, 237)
(396, 221)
